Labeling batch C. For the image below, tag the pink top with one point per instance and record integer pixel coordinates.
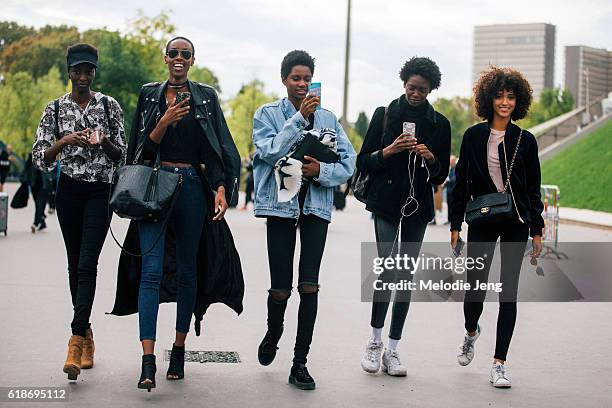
(495, 138)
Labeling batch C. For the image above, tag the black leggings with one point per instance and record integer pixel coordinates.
(281, 234)
(412, 232)
(481, 241)
(82, 212)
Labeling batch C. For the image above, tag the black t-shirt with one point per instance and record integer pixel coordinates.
(181, 144)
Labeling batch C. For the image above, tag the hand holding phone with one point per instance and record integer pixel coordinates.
(314, 89)
(182, 96)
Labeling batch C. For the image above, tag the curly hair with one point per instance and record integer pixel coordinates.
(496, 79)
(424, 67)
(296, 57)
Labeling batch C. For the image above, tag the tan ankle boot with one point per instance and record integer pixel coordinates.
(72, 366)
(87, 358)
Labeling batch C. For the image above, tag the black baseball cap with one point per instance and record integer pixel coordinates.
(82, 53)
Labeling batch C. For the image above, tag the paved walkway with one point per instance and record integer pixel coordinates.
(558, 356)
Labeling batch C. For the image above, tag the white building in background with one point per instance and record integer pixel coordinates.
(588, 67)
(530, 48)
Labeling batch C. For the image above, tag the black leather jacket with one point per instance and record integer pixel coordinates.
(473, 179)
(219, 155)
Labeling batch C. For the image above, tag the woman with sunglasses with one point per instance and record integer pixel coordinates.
(185, 134)
(277, 127)
(83, 130)
(489, 151)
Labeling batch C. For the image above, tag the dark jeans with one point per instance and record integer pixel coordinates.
(481, 242)
(82, 212)
(41, 196)
(412, 233)
(187, 218)
(281, 235)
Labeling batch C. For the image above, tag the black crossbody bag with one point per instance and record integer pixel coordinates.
(493, 207)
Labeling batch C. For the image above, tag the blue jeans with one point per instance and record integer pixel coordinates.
(187, 218)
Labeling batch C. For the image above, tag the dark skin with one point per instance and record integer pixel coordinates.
(81, 77)
(178, 68)
(297, 83)
(416, 88)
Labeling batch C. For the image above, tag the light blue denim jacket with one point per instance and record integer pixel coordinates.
(276, 127)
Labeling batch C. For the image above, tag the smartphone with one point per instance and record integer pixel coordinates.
(458, 247)
(94, 136)
(314, 89)
(181, 96)
(409, 129)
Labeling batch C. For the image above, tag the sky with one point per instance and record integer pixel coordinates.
(242, 40)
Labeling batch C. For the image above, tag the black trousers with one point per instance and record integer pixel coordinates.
(412, 233)
(481, 243)
(281, 235)
(82, 212)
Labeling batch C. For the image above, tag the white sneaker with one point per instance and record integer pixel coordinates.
(371, 360)
(498, 376)
(392, 365)
(466, 351)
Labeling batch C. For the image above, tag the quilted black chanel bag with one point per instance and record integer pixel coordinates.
(494, 207)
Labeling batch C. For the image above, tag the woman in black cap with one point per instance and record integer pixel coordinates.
(83, 130)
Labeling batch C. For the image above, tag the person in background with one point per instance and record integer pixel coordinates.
(449, 184)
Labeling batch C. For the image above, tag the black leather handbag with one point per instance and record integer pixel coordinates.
(144, 193)
(310, 145)
(493, 207)
(361, 179)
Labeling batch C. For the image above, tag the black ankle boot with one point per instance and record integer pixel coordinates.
(268, 346)
(301, 378)
(177, 363)
(147, 375)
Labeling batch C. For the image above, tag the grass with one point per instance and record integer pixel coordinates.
(583, 172)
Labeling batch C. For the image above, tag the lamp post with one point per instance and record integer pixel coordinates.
(346, 67)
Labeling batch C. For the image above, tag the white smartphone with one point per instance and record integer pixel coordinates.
(409, 129)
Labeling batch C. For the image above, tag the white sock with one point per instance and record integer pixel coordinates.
(376, 335)
(393, 344)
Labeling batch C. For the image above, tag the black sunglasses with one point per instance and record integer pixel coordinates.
(173, 53)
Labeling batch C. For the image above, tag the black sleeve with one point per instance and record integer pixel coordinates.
(438, 170)
(231, 157)
(370, 158)
(534, 179)
(214, 168)
(133, 142)
(460, 194)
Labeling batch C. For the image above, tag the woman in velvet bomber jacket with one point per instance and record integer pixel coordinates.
(501, 95)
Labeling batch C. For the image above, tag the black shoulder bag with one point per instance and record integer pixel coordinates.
(493, 207)
(361, 179)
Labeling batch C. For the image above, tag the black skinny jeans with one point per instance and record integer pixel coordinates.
(281, 234)
(412, 233)
(82, 211)
(481, 241)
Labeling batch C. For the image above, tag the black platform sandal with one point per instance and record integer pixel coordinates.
(177, 364)
(147, 375)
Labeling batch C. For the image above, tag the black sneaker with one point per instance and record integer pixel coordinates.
(268, 346)
(301, 378)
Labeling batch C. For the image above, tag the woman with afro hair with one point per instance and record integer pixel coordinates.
(501, 96)
(406, 152)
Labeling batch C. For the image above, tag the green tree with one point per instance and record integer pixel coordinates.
(460, 113)
(241, 111)
(205, 76)
(553, 102)
(10, 32)
(38, 52)
(24, 99)
(361, 125)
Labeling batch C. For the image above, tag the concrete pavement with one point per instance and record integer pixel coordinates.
(558, 356)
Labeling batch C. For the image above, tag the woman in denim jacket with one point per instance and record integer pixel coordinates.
(277, 127)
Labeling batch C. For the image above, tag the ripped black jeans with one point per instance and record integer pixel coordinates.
(281, 235)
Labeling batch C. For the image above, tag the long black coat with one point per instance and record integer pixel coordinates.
(220, 277)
